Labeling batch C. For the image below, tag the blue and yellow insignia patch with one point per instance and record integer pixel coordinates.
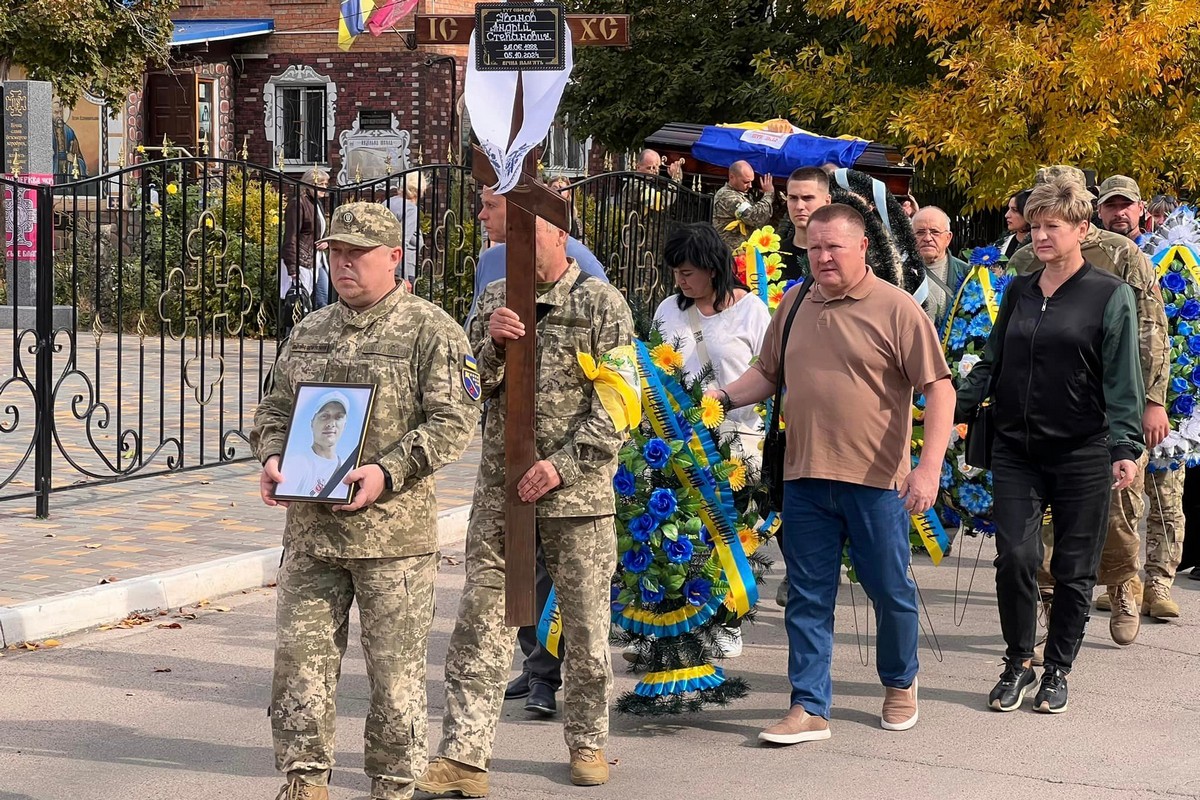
(470, 378)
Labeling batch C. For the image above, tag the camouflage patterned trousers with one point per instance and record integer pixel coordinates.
(1164, 524)
(581, 557)
(395, 604)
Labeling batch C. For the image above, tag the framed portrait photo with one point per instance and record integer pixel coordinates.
(324, 441)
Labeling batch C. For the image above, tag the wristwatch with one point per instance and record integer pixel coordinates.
(387, 478)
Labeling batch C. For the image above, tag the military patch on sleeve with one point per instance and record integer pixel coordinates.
(470, 378)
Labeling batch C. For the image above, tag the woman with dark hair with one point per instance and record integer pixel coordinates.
(1062, 372)
(712, 318)
(1018, 229)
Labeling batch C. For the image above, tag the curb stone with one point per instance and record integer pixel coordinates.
(100, 605)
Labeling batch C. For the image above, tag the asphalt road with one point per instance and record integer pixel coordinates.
(154, 712)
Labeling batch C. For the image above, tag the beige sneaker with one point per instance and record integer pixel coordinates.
(899, 708)
(798, 726)
(588, 767)
(1157, 601)
(1125, 621)
(1104, 602)
(445, 776)
(295, 789)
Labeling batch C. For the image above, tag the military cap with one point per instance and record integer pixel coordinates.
(1120, 186)
(365, 225)
(1061, 172)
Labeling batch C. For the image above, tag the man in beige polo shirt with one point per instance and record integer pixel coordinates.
(857, 350)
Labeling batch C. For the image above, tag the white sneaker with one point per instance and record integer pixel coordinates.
(635, 651)
(729, 642)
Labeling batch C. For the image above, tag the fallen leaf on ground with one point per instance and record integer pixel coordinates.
(205, 483)
(51, 643)
(202, 604)
(109, 579)
(615, 762)
(220, 608)
(93, 546)
(451, 560)
(48, 536)
(162, 669)
(163, 613)
(133, 620)
(169, 625)
(188, 615)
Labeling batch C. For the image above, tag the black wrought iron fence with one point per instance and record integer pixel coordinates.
(144, 305)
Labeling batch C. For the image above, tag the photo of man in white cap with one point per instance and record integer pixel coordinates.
(307, 471)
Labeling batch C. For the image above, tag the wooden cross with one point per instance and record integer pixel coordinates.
(526, 201)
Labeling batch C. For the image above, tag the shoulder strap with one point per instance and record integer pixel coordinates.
(787, 330)
(698, 335)
(941, 284)
(544, 309)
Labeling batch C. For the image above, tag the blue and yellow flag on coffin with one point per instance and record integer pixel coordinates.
(353, 21)
(774, 152)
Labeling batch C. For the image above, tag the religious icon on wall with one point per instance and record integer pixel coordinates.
(324, 441)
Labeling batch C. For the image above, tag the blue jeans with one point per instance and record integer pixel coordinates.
(320, 287)
(819, 516)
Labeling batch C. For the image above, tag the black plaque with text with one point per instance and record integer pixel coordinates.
(519, 36)
(374, 120)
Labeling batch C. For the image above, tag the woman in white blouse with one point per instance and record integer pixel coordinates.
(713, 318)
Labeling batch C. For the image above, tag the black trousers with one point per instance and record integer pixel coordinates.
(1077, 485)
(1191, 513)
(540, 663)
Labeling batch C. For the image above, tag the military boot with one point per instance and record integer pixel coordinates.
(296, 789)
(1157, 601)
(1104, 602)
(588, 767)
(1125, 620)
(445, 776)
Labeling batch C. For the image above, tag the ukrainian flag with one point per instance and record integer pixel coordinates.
(353, 22)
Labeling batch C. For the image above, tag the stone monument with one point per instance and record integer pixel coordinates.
(28, 137)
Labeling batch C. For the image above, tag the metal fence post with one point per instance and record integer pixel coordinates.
(44, 360)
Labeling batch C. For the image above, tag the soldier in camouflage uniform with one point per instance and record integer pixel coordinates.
(381, 548)
(734, 215)
(1121, 211)
(572, 486)
(1119, 563)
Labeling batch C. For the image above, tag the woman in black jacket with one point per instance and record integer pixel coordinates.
(1062, 371)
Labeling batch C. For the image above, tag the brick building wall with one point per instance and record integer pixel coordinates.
(421, 87)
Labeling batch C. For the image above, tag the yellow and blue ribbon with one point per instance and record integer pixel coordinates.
(663, 405)
(549, 629)
(679, 681)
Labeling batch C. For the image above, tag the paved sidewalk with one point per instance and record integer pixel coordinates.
(150, 525)
(161, 713)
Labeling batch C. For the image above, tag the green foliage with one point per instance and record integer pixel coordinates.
(101, 46)
(688, 62)
(980, 94)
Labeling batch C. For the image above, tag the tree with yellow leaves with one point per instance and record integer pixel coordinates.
(983, 92)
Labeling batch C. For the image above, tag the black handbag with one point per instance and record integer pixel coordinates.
(775, 442)
(980, 435)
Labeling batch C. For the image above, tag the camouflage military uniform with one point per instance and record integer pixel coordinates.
(575, 523)
(735, 217)
(1117, 254)
(384, 555)
(1164, 524)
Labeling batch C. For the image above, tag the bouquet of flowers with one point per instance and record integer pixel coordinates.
(686, 540)
(757, 264)
(965, 497)
(1176, 245)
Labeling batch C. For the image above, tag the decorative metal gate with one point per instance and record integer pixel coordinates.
(144, 304)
